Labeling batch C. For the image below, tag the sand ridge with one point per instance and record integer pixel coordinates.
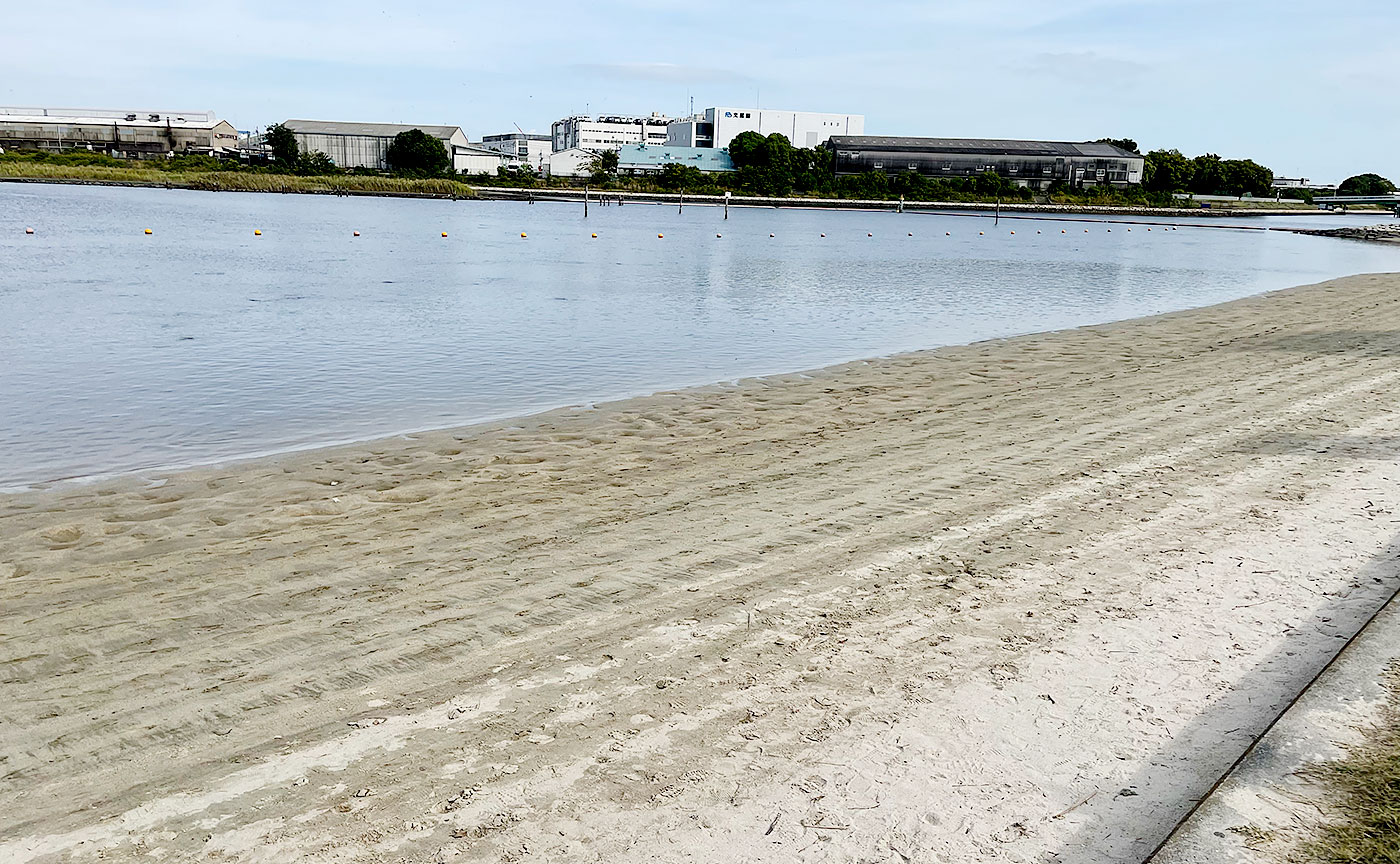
(812, 614)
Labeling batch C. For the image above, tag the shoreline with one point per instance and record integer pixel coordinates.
(159, 474)
(1026, 573)
(502, 193)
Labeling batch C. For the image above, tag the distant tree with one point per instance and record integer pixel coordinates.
(603, 165)
(1366, 184)
(675, 176)
(765, 164)
(417, 154)
(1167, 171)
(283, 144)
(1206, 174)
(1124, 143)
(315, 162)
(1245, 177)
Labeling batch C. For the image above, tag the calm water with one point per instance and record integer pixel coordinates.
(121, 351)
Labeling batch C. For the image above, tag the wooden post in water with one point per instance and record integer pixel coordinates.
(585, 200)
(726, 207)
(681, 204)
(998, 215)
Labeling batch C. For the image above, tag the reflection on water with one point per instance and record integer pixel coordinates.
(201, 341)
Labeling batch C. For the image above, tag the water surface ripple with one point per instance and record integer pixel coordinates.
(122, 351)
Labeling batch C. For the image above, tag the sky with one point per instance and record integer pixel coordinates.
(1306, 88)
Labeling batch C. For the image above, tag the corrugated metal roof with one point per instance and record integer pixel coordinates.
(987, 146)
(655, 155)
(371, 130)
(141, 122)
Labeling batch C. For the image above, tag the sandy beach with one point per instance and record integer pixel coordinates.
(1023, 600)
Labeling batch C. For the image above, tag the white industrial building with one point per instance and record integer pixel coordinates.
(573, 162)
(608, 132)
(532, 150)
(365, 145)
(717, 127)
(125, 134)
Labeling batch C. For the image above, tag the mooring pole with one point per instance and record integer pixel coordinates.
(681, 204)
(997, 220)
(585, 200)
(726, 206)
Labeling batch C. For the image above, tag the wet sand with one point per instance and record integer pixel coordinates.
(1018, 599)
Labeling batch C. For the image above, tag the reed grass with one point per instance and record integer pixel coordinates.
(235, 181)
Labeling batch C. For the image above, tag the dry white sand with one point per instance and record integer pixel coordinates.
(1015, 601)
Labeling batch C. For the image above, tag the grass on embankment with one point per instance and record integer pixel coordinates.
(234, 181)
(1367, 788)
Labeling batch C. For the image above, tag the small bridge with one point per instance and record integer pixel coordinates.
(1342, 202)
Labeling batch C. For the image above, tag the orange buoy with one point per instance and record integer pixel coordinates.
(29, 230)
(357, 233)
(595, 236)
(947, 233)
(659, 236)
(1013, 233)
(719, 235)
(981, 233)
(148, 231)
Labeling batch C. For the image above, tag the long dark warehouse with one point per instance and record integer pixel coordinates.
(1035, 164)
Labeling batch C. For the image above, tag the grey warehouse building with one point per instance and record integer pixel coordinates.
(364, 145)
(1035, 164)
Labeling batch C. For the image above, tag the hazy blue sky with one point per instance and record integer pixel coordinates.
(1307, 88)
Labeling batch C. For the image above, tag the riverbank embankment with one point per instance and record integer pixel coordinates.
(1017, 599)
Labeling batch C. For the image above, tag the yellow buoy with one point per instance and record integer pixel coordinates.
(148, 231)
(257, 233)
(522, 233)
(660, 236)
(444, 233)
(595, 236)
